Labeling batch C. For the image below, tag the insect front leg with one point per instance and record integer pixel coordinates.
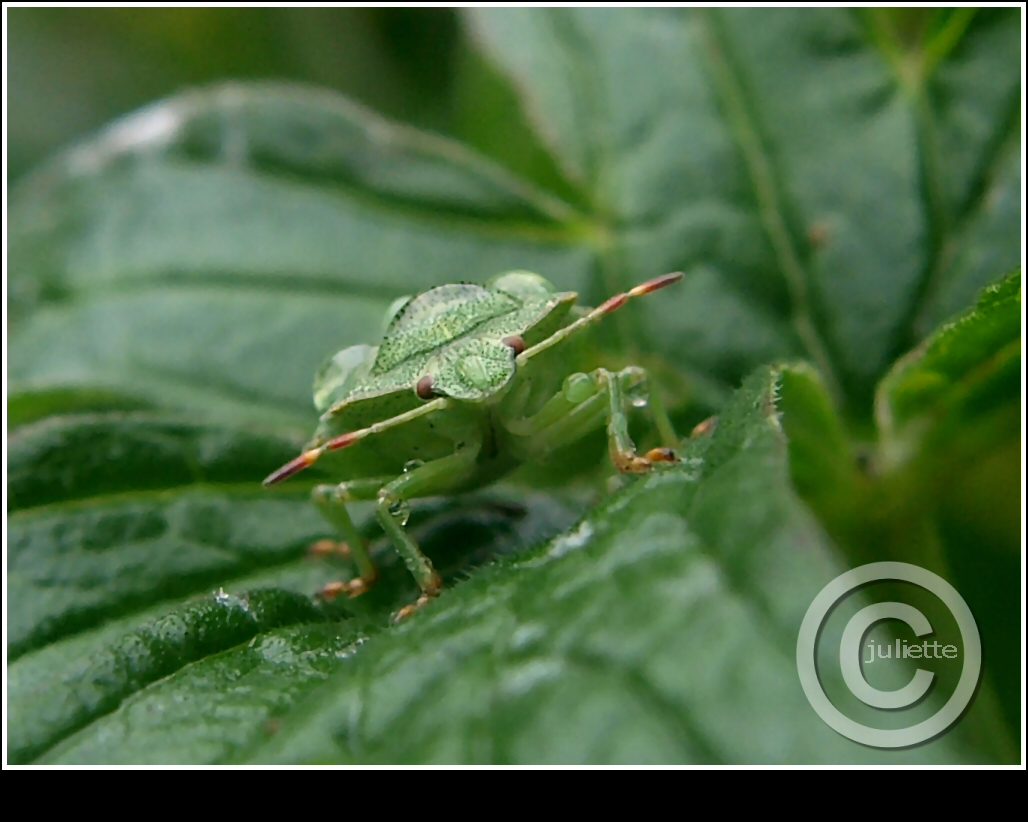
(585, 402)
(661, 421)
(331, 501)
(622, 449)
(436, 477)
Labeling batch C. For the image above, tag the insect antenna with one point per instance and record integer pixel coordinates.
(308, 458)
(600, 312)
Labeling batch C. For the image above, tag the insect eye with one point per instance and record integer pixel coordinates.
(515, 343)
(424, 388)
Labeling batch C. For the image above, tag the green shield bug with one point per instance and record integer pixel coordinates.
(467, 383)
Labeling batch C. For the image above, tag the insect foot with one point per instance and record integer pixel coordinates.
(329, 547)
(431, 586)
(407, 610)
(704, 428)
(629, 463)
(355, 587)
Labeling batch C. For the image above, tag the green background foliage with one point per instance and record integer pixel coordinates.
(835, 185)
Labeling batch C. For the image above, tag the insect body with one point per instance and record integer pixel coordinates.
(467, 383)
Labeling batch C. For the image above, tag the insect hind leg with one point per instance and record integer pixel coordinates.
(438, 476)
(331, 501)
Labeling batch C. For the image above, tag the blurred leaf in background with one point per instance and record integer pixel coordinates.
(72, 70)
(835, 185)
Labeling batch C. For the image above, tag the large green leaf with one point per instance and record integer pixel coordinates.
(660, 629)
(950, 414)
(833, 184)
(962, 383)
(120, 516)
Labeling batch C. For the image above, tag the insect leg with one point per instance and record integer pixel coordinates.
(331, 501)
(622, 449)
(438, 476)
(559, 422)
(637, 380)
(607, 401)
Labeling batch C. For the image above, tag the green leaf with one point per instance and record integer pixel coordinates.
(965, 373)
(950, 414)
(821, 457)
(942, 486)
(660, 629)
(97, 684)
(28, 406)
(78, 456)
(118, 517)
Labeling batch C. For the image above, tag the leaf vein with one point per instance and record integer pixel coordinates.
(768, 193)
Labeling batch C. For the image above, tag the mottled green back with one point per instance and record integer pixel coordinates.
(452, 333)
(437, 317)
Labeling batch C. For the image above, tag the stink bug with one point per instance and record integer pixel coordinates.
(467, 383)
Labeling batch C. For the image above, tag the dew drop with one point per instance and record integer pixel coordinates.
(411, 465)
(637, 394)
(400, 511)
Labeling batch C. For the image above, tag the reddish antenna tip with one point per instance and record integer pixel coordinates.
(656, 282)
(291, 467)
(343, 440)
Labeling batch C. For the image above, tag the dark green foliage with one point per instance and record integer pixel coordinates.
(99, 683)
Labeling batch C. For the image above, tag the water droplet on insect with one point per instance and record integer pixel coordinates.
(400, 511)
(638, 394)
(410, 465)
